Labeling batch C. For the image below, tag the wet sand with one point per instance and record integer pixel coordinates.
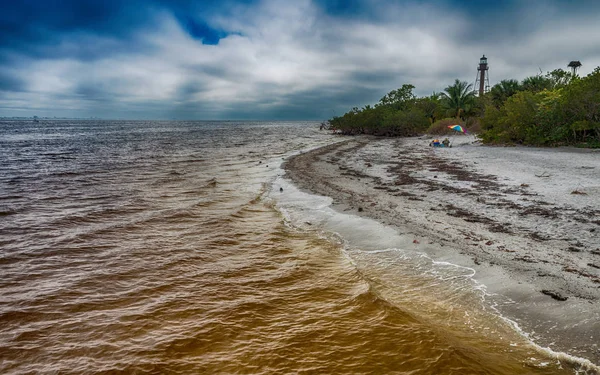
(526, 219)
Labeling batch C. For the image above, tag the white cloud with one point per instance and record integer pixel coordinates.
(277, 51)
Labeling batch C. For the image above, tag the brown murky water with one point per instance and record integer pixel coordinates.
(162, 247)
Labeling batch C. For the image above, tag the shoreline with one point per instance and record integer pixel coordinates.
(526, 219)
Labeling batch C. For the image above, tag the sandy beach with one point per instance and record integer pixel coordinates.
(526, 219)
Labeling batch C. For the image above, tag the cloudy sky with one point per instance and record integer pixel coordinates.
(270, 59)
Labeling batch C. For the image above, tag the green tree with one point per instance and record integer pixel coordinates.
(537, 83)
(458, 99)
(430, 106)
(405, 123)
(399, 99)
(526, 118)
(512, 122)
(504, 90)
(580, 104)
(560, 78)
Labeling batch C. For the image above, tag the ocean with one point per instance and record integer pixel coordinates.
(180, 247)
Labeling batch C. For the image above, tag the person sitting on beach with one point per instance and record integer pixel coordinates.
(446, 142)
(435, 143)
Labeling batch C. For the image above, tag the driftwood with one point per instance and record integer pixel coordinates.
(557, 296)
(579, 192)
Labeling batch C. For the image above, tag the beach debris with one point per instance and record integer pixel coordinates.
(416, 241)
(594, 278)
(557, 296)
(526, 259)
(360, 209)
(579, 192)
(543, 174)
(538, 237)
(489, 243)
(212, 182)
(308, 223)
(593, 265)
(524, 185)
(281, 189)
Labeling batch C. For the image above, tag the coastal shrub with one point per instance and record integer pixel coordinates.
(503, 90)
(536, 84)
(358, 121)
(550, 125)
(514, 122)
(440, 127)
(554, 110)
(558, 108)
(404, 123)
(431, 107)
(586, 131)
(396, 114)
(580, 104)
(473, 125)
(400, 99)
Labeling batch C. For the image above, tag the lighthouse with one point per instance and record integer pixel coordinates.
(482, 77)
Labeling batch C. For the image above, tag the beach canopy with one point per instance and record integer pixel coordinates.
(458, 128)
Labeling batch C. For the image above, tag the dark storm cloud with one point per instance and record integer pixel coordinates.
(10, 83)
(94, 91)
(29, 23)
(318, 104)
(324, 103)
(38, 27)
(373, 78)
(492, 21)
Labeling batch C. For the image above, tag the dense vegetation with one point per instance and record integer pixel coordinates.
(557, 108)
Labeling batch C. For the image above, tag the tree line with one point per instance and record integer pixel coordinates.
(557, 108)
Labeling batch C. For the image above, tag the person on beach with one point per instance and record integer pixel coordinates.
(446, 142)
(435, 143)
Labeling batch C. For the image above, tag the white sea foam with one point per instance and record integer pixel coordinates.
(363, 236)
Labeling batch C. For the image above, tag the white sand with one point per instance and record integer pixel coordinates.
(527, 219)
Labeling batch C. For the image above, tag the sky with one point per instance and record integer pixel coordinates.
(270, 59)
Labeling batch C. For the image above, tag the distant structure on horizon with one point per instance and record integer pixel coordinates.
(574, 65)
(482, 77)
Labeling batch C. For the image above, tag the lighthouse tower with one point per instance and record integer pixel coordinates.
(482, 80)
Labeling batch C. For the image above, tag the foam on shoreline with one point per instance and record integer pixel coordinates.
(355, 175)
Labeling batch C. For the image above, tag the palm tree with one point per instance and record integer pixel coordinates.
(504, 90)
(458, 98)
(536, 84)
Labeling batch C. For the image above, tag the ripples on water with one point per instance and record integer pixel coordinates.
(152, 247)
